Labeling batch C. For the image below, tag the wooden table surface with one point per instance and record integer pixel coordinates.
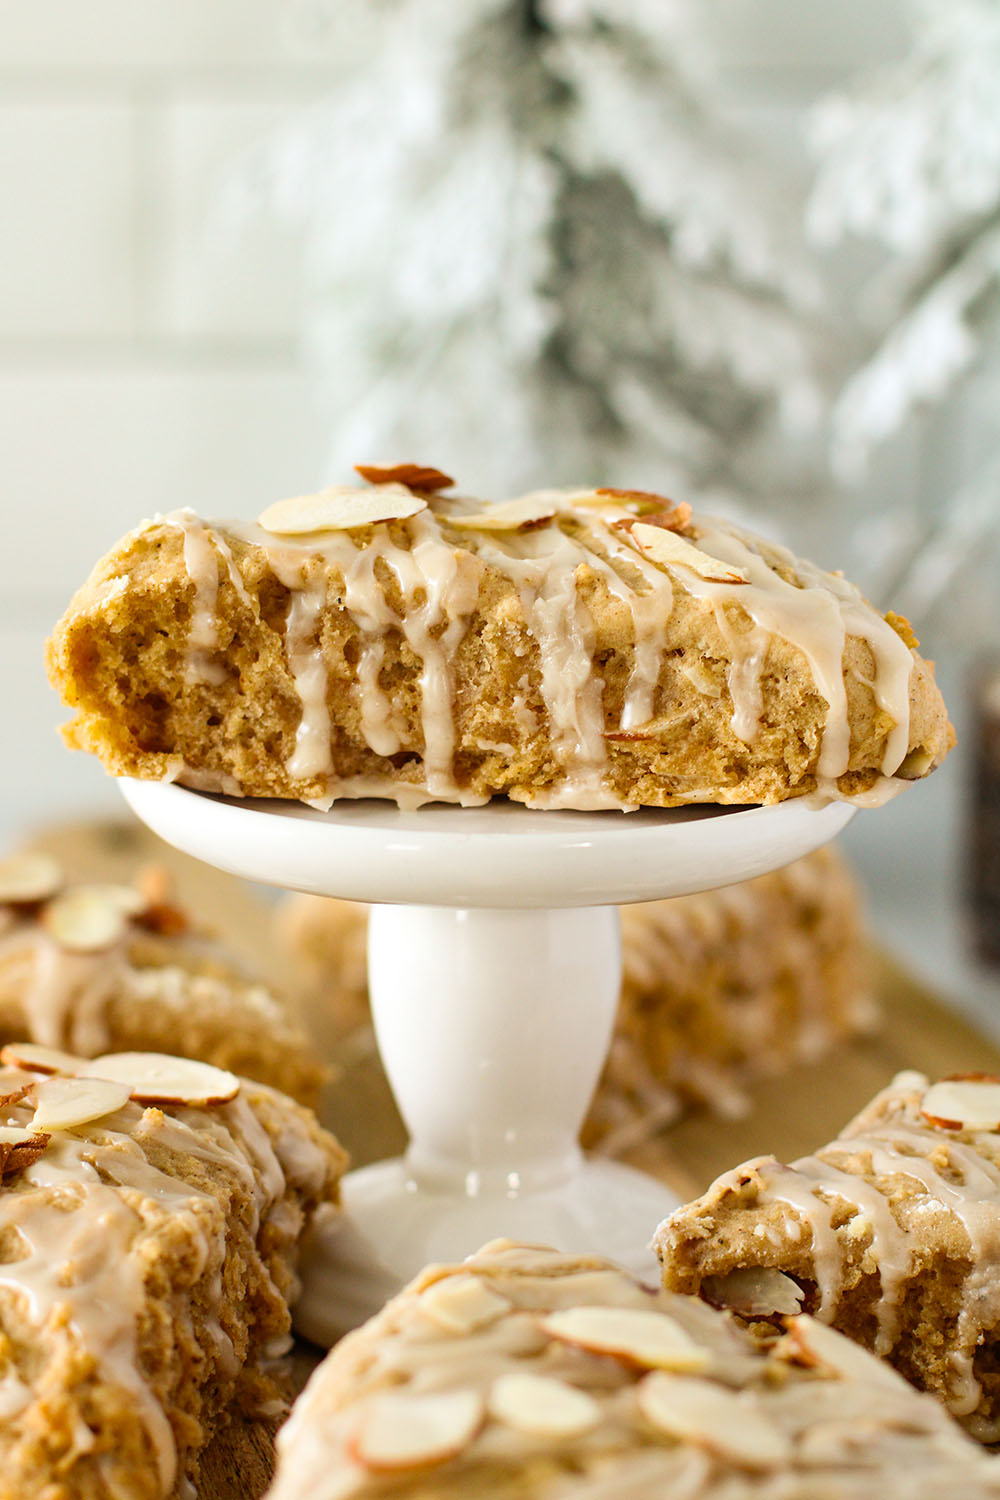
(789, 1115)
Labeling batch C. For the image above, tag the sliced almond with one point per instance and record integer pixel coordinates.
(700, 1412)
(652, 1339)
(671, 551)
(65, 1102)
(401, 1430)
(542, 1406)
(19, 1148)
(158, 1078)
(414, 476)
(754, 1292)
(84, 920)
(341, 507)
(963, 1104)
(39, 1059)
(25, 878)
(812, 1344)
(462, 1303)
(529, 510)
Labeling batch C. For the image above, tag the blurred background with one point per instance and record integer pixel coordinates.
(745, 251)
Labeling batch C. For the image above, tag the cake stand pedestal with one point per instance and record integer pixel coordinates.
(494, 958)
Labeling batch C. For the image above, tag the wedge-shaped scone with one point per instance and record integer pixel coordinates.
(891, 1233)
(577, 649)
(719, 989)
(149, 1258)
(524, 1372)
(98, 967)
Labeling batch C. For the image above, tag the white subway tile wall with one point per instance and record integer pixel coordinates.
(148, 347)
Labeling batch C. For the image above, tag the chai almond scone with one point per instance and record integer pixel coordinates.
(525, 1372)
(578, 648)
(718, 989)
(891, 1233)
(150, 1217)
(97, 967)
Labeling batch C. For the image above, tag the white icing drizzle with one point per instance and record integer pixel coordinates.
(438, 580)
(203, 547)
(954, 1176)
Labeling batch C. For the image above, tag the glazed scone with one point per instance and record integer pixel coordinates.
(149, 1259)
(524, 1372)
(719, 989)
(96, 967)
(891, 1233)
(582, 649)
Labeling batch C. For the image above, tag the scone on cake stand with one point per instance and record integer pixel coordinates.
(494, 958)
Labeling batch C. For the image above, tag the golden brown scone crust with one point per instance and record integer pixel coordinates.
(119, 659)
(892, 1232)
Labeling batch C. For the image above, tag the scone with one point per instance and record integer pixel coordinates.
(719, 989)
(584, 649)
(98, 967)
(149, 1258)
(523, 1372)
(891, 1233)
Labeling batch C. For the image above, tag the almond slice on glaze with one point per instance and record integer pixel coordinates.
(341, 507)
(670, 551)
(16, 1135)
(413, 476)
(40, 1059)
(401, 1430)
(19, 1148)
(754, 1291)
(25, 878)
(711, 1417)
(85, 920)
(651, 1339)
(816, 1346)
(963, 1104)
(462, 1303)
(511, 515)
(65, 1102)
(542, 1406)
(159, 1078)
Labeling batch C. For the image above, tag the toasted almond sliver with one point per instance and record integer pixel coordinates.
(511, 515)
(670, 551)
(462, 1303)
(65, 1102)
(542, 1406)
(754, 1291)
(811, 1343)
(29, 877)
(85, 920)
(159, 1078)
(39, 1059)
(652, 1339)
(963, 1104)
(401, 1430)
(342, 507)
(414, 476)
(701, 1412)
(16, 1135)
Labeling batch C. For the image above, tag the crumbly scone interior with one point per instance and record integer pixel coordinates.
(561, 659)
(523, 1371)
(891, 1233)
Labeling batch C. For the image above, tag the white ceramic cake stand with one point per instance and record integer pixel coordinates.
(494, 968)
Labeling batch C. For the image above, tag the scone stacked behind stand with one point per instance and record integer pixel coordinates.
(150, 1217)
(524, 1372)
(95, 966)
(891, 1233)
(719, 989)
